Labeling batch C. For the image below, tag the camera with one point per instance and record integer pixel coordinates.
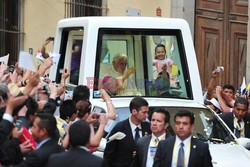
(46, 88)
(19, 124)
(220, 68)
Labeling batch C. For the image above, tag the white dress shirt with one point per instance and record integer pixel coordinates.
(187, 143)
(133, 127)
(152, 149)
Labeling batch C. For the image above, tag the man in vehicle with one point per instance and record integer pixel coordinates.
(126, 85)
(120, 153)
(146, 146)
(238, 120)
(183, 150)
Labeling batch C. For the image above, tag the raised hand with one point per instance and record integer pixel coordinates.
(129, 72)
(14, 102)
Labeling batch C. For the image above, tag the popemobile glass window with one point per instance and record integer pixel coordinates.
(142, 62)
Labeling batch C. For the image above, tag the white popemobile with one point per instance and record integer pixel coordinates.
(101, 38)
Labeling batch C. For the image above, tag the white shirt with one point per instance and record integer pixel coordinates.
(133, 127)
(241, 124)
(151, 153)
(187, 143)
(8, 117)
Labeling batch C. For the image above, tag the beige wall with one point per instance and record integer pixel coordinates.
(146, 7)
(40, 18)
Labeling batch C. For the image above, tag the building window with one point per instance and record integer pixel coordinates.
(79, 8)
(10, 29)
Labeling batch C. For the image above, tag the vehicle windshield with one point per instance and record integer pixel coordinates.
(207, 125)
(142, 62)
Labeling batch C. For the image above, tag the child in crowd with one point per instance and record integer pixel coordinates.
(160, 58)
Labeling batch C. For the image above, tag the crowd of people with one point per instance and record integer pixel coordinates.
(30, 131)
(31, 134)
(232, 106)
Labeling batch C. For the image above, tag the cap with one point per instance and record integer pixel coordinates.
(105, 79)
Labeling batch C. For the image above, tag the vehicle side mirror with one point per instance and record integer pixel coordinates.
(245, 142)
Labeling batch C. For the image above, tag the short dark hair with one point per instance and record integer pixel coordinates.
(79, 133)
(185, 113)
(136, 103)
(32, 106)
(163, 111)
(81, 92)
(48, 122)
(241, 100)
(229, 86)
(67, 109)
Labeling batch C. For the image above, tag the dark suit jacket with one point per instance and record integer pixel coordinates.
(119, 153)
(140, 159)
(5, 129)
(75, 157)
(39, 157)
(142, 146)
(228, 118)
(10, 152)
(199, 153)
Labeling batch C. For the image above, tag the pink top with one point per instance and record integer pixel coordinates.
(159, 63)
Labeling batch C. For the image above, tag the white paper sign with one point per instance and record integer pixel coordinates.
(4, 59)
(55, 58)
(27, 61)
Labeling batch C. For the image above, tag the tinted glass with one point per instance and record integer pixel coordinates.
(157, 56)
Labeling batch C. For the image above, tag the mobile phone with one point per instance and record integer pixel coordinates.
(11, 68)
(19, 124)
(31, 51)
(51, 38)
(96, 115)
(220, 68)
(46, 88)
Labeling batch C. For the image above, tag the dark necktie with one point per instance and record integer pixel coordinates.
(180, 161)
(237, 131)
(156, 141)
(137, 135)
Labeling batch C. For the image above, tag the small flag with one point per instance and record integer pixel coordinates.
(243, 86)
(248, 90)
(39, 56)
(106, 59)
(172, 49)
(4, 59)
